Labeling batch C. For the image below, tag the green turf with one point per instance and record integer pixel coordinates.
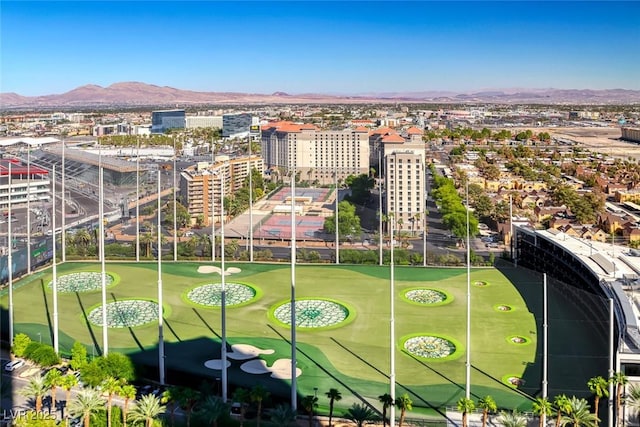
(353, 358)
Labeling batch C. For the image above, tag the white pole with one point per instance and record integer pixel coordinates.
(250, 203)
(160, 318)
(467, 391)
(424, 218)
(10, 258)
(392, 314)
(380, 240)
(55, 262)
(63, 236)
(28, 211)
(337, 222)
(511, 239)
(175, 207)
(545, 345)
(103, 273)
(611, 361)
(138, 199)
(294, 392)
(213, 217)
(223, 291)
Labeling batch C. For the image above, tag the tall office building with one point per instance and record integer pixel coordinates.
(404, 174)
(236, 125)
(317, 155)
(167, 119)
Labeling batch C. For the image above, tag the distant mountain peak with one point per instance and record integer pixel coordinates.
(280, 94)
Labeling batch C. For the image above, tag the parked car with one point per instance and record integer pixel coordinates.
(12, 366)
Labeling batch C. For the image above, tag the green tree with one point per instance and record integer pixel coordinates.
(36, 389)
(53, 379)
(20, 343)
(579, 415)
(147, 409)
(243, 397)
(386, 401)
(309, 403)
(182, 214)
(599, 386)
(404, 403)
(68, 382)
(111, 386)
(86, 404)
(360, 186)
(349, 222)
(360, 415)
(465, 406)
(542, 408)
(334, 395)
(170, 398)
(128, 393)
(188, 398)
(258, 395)
(619, 380)
(212, 409)
(78, 356)
(562, 405)
(488, 405)
(283, 415)
(512, 419)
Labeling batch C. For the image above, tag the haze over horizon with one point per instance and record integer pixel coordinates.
(341, 48)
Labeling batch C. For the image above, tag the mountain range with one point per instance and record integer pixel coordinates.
(129, 94)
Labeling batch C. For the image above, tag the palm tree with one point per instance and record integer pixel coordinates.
(512, 419)
(360, 414)
(53, 379)
(258, 394)
(147, 240)
(633, 398)
(128, 392)
(147, 409)
(386, 401)
(619, 380)
(541, 406)
(334, 395)
(487, 404)
(465, 406)
(404, 403)
(188, 398)
(67, 383)
(579, 415)
(599, 387)
(35, 388)
(170, 397)
(111, 386)
(243, 397)
(86, 404)
(562, 405)
(309, 403)
(282, 415)
(212, 409)
(82, 238)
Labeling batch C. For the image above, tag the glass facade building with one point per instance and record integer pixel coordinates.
(167, 119)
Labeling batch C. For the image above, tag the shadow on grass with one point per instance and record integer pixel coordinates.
(46, 309)
(503, 385)
(326, 372)
(133, 335)
(86, 321)
(206, 324)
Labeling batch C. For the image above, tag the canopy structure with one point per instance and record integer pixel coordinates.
(33, 142)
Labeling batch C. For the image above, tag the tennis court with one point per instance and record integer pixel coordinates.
(317, 195)
(279, 227)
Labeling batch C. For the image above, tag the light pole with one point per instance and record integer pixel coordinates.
(10, 257)
(250, 203)
(213, 208)
(467, 390)
(137, 199)
(294, 393)
(40, 337)
(337, 201)
(175, 208)
(160, 318)
(54, 283)
(223, 292)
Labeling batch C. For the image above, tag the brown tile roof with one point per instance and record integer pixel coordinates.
(394, 139)
(414, 131)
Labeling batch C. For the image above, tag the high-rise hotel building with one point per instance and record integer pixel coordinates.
(201, 184)
(402, 157)
(316, 155)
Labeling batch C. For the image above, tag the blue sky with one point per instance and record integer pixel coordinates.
(322, 47)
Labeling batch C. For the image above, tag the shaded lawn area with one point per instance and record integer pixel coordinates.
(353, 358)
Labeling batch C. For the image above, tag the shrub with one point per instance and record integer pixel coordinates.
(78, 356)
(20, 343)
(42, 354)
(100, 417)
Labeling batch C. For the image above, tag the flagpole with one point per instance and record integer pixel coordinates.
(467, 391)
(160, 318)
(10, 259)
(380, 239)
(103, 273)
(250, 203)
(223, 299)
(294, 392)
(63, 234)
(137, 199)
(55, 262)
(392, 310)
(175, 207)
(28, 211)
(545, 345)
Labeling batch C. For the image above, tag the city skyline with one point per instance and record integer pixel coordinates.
(341, 48)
